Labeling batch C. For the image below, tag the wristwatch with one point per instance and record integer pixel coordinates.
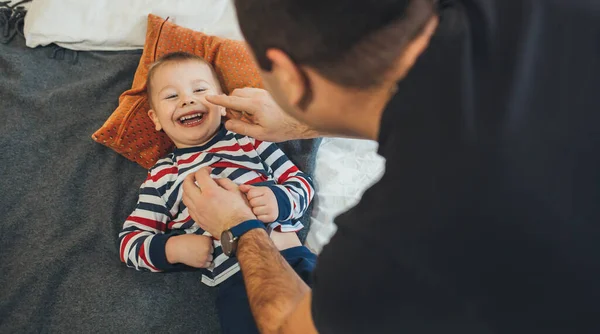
(229, 238)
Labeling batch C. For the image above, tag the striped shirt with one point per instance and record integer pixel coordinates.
(160, 212)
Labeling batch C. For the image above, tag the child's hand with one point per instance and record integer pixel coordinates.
(191, 249)
(262, 201)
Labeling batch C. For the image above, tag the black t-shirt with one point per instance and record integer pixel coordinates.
(488, 217)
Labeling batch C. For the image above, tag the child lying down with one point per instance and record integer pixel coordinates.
(160, 236)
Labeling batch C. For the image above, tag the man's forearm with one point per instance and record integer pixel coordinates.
(310, 133)
(298, 130)
(274, 289)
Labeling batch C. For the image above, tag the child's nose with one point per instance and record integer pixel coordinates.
(187, 101)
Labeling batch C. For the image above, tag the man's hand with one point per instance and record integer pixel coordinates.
(191, 249)
(263, 202)
(253, 112)
(215, 205)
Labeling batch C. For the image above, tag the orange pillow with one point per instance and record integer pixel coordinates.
(129, 130)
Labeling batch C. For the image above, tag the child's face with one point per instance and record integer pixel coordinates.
(180, 108)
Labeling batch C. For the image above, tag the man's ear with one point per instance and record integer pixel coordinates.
(288, 75)
(154, 118)
(416, 48)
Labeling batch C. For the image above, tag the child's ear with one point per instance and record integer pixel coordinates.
(154, 118)
(222, 109)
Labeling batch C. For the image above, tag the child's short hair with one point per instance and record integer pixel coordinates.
(176, 57)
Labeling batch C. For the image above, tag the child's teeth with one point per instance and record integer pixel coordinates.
(190, 117)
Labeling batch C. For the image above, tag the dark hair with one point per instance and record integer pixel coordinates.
(175, 57)
(354, 43)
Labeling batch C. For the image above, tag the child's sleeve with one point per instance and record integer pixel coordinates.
(143, 238)
(294, 190)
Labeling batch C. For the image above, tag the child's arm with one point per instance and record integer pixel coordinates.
(294, 190)
(143, 239)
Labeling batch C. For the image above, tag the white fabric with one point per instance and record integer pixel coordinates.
(345, 169)
(113, 25)
(14, 2)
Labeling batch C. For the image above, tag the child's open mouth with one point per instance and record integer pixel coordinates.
(191, 120)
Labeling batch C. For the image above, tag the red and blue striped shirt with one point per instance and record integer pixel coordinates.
(160, 212)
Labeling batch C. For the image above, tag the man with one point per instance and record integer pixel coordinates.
(486, 219)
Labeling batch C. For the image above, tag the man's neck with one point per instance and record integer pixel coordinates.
(362, 110)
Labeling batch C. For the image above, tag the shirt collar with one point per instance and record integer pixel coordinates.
(220, 135)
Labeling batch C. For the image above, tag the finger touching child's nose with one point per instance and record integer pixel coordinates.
(244, 104)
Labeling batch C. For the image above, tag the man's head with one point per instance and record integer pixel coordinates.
(177, 85)
(316, 54)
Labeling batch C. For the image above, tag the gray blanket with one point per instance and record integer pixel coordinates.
(65, 197)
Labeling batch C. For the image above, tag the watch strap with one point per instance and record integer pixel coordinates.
(246, 226)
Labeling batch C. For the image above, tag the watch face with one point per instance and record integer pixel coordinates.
(227, 242)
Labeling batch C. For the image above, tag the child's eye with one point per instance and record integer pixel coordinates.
(171, 97)
(200, 90)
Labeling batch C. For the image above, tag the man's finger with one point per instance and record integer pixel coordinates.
(247, 92)
(203, 179)
(226, 184)
(190, 189)
(233, 114)
(191, 194)
(233, 102)
(185, 196)
(244, 128)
